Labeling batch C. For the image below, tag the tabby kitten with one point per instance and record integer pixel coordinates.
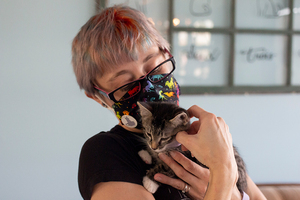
(161, 122)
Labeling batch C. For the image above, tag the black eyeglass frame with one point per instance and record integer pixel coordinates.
(110, 95)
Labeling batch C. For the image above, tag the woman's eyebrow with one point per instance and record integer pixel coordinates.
(127, 71)
(150, 56)
(118, 74)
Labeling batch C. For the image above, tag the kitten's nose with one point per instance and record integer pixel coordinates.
(154, 145)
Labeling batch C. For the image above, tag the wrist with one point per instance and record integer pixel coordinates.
(227, 172)
(222, 184)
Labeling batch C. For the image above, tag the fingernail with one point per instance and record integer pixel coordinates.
(162, 156)
(157, 178)
(172, 153)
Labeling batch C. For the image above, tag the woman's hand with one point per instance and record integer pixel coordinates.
(210, 141)
(190, 173)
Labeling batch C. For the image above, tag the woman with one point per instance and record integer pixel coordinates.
(114, 54)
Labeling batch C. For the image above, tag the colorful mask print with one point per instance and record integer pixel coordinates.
(166, 90)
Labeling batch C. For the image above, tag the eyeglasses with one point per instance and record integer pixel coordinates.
(129, 90)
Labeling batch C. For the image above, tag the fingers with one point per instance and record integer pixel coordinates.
(183, 148)
(208, 138)
(179, 171)
(175, 183)
(196, 192)
(191, 166)
(186, 140)
(189, 173)
(194, 127)
(196, 111)
(187, 170)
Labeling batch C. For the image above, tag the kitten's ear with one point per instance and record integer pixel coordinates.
(180, 119)
(144, 109)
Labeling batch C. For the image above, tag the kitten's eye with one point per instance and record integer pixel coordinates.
(148, 134)
(165, 139)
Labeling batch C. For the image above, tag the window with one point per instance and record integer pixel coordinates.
(229, 46)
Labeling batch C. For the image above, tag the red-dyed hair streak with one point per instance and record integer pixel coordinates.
(110, 38)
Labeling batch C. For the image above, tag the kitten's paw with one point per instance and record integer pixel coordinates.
(150, 185)
(145, 156)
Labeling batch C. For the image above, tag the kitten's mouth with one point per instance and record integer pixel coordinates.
(172, 145)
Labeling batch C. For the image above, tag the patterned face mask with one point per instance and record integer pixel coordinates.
(166, 90)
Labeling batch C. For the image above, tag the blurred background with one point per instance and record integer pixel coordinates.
(45, 118)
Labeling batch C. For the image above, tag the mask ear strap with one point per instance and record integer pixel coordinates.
(104, 104)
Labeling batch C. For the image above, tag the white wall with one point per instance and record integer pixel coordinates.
(45, 119)
(266, 130)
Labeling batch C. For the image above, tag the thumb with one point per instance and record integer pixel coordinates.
(185, 139)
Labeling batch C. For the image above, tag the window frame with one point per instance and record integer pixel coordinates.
(232, 31)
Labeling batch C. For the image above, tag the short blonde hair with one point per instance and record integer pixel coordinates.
(111, 38)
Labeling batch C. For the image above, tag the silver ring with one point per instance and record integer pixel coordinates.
(186, 188)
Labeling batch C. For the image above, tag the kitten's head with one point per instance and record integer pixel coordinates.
(161, 122)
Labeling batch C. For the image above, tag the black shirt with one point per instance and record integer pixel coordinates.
(113, 156)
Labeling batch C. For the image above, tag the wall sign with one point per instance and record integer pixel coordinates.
(272, 9)
(263, 14)
(210, 55)
(257, 54)
(201, 58)
(202, 13)
(200, 8)
(260, 60)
